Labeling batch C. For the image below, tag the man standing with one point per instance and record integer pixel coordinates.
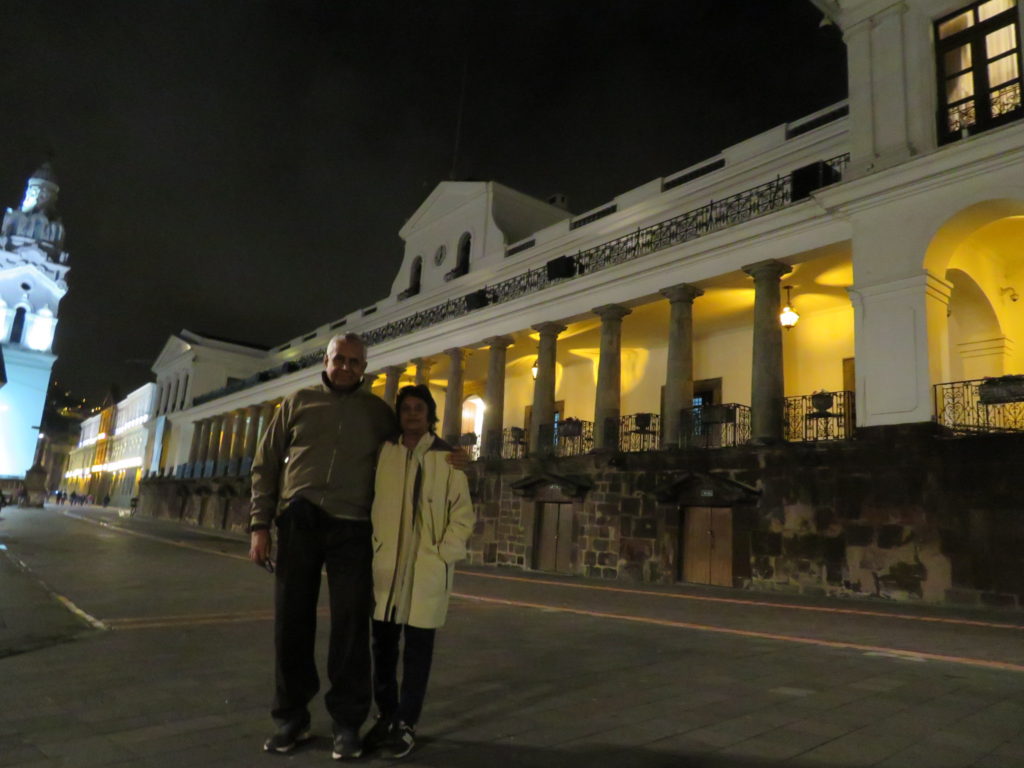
(312, 478)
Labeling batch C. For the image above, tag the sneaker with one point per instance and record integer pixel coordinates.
(404, 740)
(288, 736)
(382, 733)
(346, 744)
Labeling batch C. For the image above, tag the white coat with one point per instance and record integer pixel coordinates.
(422, 517)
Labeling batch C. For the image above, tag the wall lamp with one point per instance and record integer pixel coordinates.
(788, 316)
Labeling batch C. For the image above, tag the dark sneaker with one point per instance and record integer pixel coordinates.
(346, 744)
(288, 736)
(404, 740)
(381, 734)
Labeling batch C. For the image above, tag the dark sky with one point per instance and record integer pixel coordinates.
(242, 167)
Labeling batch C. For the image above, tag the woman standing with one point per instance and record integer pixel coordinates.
(422, 516)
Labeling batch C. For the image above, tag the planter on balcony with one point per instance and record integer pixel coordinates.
(1003, 389)
(718, 414)
(570, 428)
(822, 401)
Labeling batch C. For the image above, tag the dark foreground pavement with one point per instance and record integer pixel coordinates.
(167, 663)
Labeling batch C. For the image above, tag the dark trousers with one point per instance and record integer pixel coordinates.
(307, 540)
(416, 658)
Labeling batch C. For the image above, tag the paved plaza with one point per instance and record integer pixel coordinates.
(139, 643)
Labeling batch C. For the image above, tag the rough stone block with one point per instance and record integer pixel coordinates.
(600, 545)
(645, 527)
(765, 543)
(859, 535)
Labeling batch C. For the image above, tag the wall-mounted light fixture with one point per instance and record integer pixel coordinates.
(533, 370)
(788, 316)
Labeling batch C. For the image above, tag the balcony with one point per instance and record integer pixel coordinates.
(821, 416)
(724, 425)
(981, 405)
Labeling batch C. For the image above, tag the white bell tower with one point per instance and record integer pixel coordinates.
(33, 268)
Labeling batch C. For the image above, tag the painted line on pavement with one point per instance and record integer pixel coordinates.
(874, 649)
(740, 601)
(66, 602)
(151, 537)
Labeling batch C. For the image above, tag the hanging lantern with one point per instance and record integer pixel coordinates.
(533, 370)
(788, 316)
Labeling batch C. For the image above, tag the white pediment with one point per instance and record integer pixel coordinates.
(45, 290)
(448, 196)
(173, 350)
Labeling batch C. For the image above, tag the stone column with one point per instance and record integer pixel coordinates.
(423, 366)
(213, 445)
(393, 376)
(609, 378)
(252, 433)
(543, 415)
(679, 368)
(202, 429)
(451, 427)
(494, 397)
(222, 458)
(193, 450)
(237, 442)
(767, 388)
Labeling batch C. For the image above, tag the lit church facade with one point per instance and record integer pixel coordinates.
(792, 366)
(33, 271)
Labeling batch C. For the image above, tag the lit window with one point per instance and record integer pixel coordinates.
(978, 58)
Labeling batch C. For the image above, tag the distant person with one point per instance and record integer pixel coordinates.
(422, 517)
(106, 500)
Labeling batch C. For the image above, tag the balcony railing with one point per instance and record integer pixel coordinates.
(639, 432)
(514, 443)
(573, 437)
(715, 426)
(821, 416)
(980, 405)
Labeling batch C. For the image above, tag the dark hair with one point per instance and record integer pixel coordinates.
(420, 392)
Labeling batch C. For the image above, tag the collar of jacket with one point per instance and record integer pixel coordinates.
(328, 387)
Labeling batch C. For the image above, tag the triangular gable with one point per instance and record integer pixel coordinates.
(173, 349)
(446, 197)
(700, 489)
(572, 486)
(37, 274)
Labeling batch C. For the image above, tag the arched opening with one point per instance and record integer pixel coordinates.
(415, 272)
(977, 347)
(462, 255)
(473, 416)
(18, 326)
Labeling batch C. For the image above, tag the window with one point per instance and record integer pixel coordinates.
(414, 279)
(18, 326)
(461, 257)
(978, 64)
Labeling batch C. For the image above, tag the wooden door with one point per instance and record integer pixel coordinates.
(553, 545)
(707, 545)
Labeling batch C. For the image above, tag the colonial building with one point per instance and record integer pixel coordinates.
(33, 269)
(789, 366)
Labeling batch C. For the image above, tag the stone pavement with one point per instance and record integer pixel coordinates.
(530, 671)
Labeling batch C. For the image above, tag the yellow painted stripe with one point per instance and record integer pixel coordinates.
(1001, 665)
(741, 601)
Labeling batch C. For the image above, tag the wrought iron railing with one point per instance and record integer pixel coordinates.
(821, 416)
(640, 432)
(715, 426)
(573, 437)
(514, 443)
(959, 406)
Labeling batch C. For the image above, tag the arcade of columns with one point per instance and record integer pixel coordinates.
(226, 444)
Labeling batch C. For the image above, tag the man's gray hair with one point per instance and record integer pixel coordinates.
(351, 338)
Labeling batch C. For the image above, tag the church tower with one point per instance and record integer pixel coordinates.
(33, 268)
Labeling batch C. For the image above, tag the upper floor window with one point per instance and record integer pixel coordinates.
(415, 273)
(978, 63)
(18, 326)
(461, 257)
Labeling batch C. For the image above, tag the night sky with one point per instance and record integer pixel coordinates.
(241, 167)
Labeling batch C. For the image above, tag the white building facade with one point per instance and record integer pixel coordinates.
(33, 271)
(629, 365)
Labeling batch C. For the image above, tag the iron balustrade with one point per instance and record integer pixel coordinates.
(639, 432)
(821, 416)
(723, 425)
(572, 437)
(959, 406)
(514, 443)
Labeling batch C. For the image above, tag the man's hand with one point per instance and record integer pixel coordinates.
(259, 547)
(458, 458)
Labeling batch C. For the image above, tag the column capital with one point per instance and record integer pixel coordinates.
(770, 269)
(457, 354)
(499, 342)
(394, 370)
(682, 292)
(422, 361)
(550, 329)
(611, 312)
